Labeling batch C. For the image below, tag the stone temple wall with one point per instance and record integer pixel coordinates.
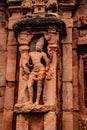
(43, 65)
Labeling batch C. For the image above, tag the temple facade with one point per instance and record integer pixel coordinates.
(43, 65)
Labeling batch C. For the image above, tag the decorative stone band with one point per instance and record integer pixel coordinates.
(48, 20)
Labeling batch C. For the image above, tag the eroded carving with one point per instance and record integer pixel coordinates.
(35, 68)
(83, 33)
(39, 70)
(40, 5)
(83, 123)
(24, 37)
(81, 21)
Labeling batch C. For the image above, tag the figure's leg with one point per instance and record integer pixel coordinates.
(30, 90)
(39, 90)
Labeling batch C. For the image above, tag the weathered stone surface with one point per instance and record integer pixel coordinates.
(64, 91)
(69, 22)
(75, 87)
(67, 62)
(2, 76)
(50, 121)
(75, 75)
(3, 60)
(22, 92)
(22, 126)
(74, 59)
(75, 121)
(11, 63)
(3, 40)
(83, 123)
(68, 38)
(67, 120)
(27, 108)
(15, 17)
(67, 96)
(39, 21)
(21, 123)
(1, 115)
(2, 94)
(75, 35)
(7, 120)
(36, 122)
(9, 98)
(11, 38)
(82, 40)
(50, 96)
(67, 15)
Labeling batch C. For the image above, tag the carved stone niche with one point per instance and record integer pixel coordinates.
(38, 39)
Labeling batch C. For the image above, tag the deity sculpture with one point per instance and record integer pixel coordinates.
(38, 71)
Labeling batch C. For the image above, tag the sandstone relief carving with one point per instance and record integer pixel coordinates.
(40, 5)
(81, 21)
(35, 66)
(38, 72)
(83, 124)
(83, 33)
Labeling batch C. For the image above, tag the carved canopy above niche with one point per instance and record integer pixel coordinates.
(47, 21)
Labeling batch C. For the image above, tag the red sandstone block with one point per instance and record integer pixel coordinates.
(67, 62)
(11, 63)
(1, 114)
(22, 126)
(1, 103)
(2, 76)
(50, 121)
(75, 75)
(9, 98)
(2, 91)
(67, 96)
(36, 122)
(67, 121)
(3, 57)
(68, 38)
(3, 39)
(49, 97)
(11, 38)
(22, 123)
(12, 52)
(7, 120)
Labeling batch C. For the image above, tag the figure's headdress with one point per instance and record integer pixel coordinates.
(40, 42)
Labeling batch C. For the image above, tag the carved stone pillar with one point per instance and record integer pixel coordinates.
(53, 46)
(67, 78)
(11, 82)
(24, 38)
(11, 78)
